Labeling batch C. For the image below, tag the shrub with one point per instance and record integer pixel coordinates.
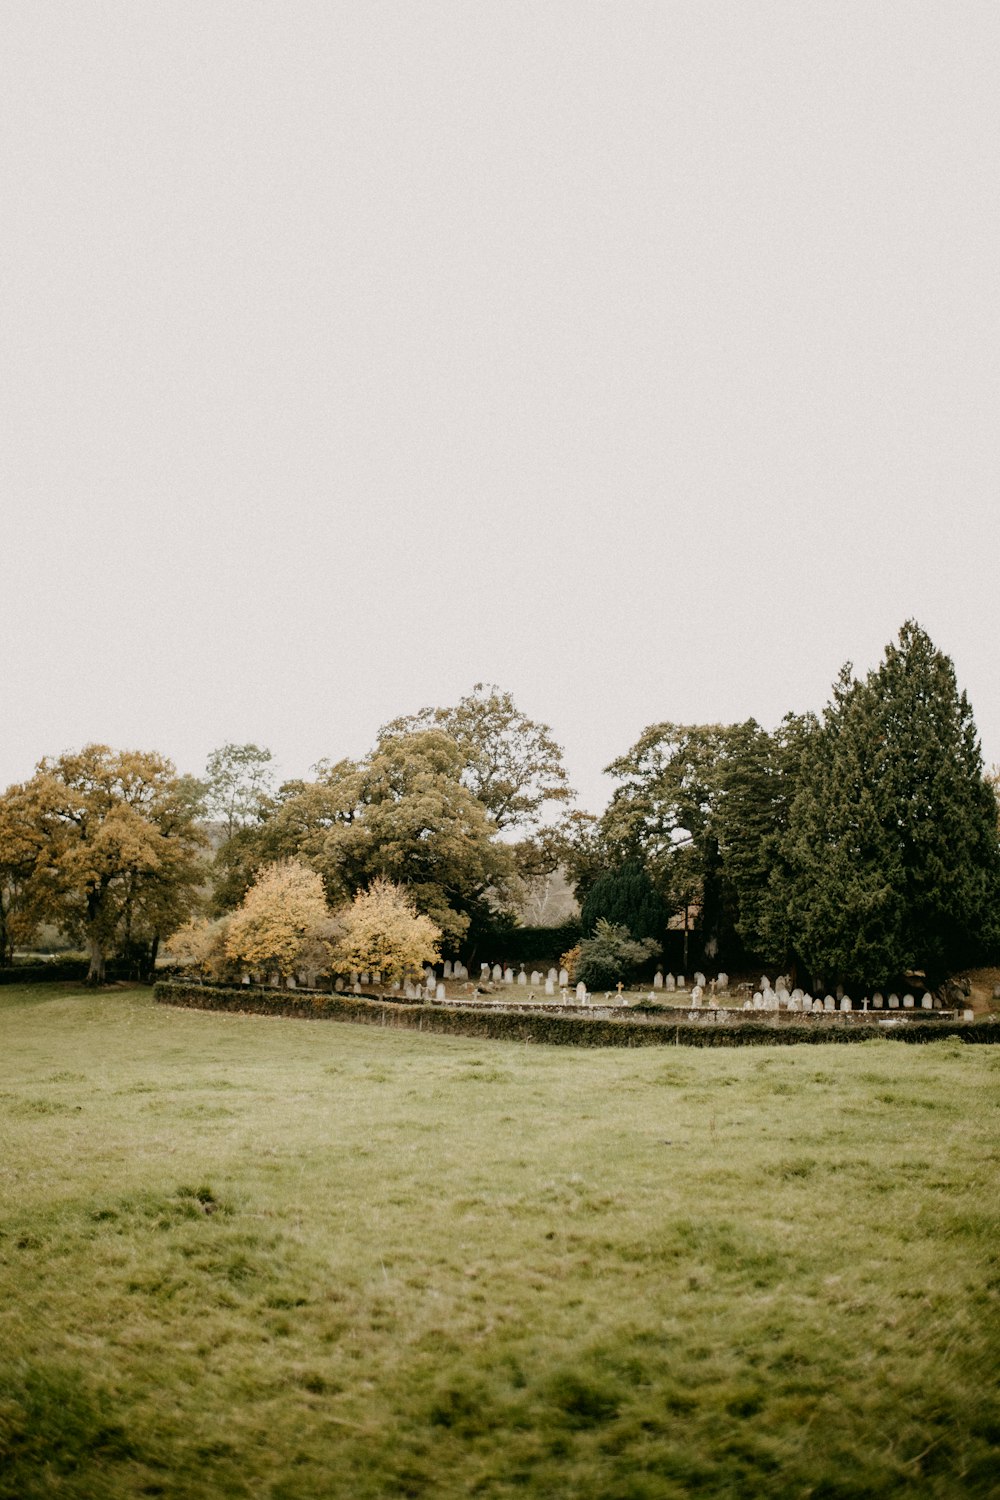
(612, 955)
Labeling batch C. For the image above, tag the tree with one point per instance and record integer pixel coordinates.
(402, 814)
(662, 815)
(893, 861)
(201, 945)
(611, 955)
(511, 764)
(758, 779)
(384, 933)
(117, 848)
(20, 847)
(283, 922)
(239, 784)
(626, 897)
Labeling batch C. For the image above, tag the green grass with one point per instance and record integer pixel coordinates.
(244, 1256)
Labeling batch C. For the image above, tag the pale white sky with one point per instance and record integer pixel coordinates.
(643, 358)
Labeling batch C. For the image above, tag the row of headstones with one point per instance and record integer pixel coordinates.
(670, 983)
(779, 998)
(553, 978)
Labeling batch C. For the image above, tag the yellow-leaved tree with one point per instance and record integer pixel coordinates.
(382, 932)
(201, 945)
(283, 923)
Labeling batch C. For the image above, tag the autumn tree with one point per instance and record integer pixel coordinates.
(892, 848)
(384, 933)
(200, 944)
(21, 843)
(402, 814)
(117, 856)
(283, 923)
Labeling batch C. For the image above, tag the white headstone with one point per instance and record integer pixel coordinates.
(696, 995)
(658, 980)
(409, 991)
(497, 973)
(355, 976)
(508, 975)
(522, 978)
(484, 968)
(700, 980)
(795, 1000)
(723, 981)
(447, 968)
(357, 989)
(829, 1003)
(680, 982)
(765, 983)
(536, 978)
(968, 1015)
(758, 1000)
(907, 1002)
(550, 988)
(563, 977)
(439, 992)
(396, 986)
(553, 974)
(807, 1004)
(781, 985)
(366, 979)
(893, 1002)
(845, 1002)
(581, 992)
(927, 1002)
(877, 1000)
(747, 1005)
(339, 984)
(670, 983)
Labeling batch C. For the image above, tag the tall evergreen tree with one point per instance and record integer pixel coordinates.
(625, 897)
(892, 855)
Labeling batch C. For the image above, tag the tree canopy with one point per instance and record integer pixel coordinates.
(113, 852)
(511, 764)
(382, 932)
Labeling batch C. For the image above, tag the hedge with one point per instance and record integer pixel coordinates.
(524, 945)
(579, 1031)
(75, 970)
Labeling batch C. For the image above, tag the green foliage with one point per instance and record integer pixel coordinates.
(526, 945)
(891, 848)
(626, 897)
(611, 955)
(239, 785)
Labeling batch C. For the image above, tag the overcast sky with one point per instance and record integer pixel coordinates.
(643, 358)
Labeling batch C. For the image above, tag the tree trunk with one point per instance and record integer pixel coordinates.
(95, 974)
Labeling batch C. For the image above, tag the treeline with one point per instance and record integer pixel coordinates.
(857, 845)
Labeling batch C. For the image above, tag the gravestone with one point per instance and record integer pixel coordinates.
(409, 991)
(581, 993)
(553, 974)
(758, 1000)
(807, 1004)
(907, 1002)
(878, 1000)
(680, 982)
(339, 984)
(670, 984)
(747, 1005)
(446, 971)
(365, 979)
(723, 981)
(563, 978)
(765, 983)
(926, 1002)
(781, 985)
(829, 1003)
(550, 988)
(357, 989)
(290, 982)
(658, 980)
(484, 968)
(696, 995)
(522, 977)
(439, 992)
(845, 1002)
(508, 975)
(795, 1000)
(968, 1015)
(893, 1002)
(396, 986)
(355, 976)
(700, 980)
(497, 973)
(536, 978)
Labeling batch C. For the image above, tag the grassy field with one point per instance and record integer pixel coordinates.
(253, 1257)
